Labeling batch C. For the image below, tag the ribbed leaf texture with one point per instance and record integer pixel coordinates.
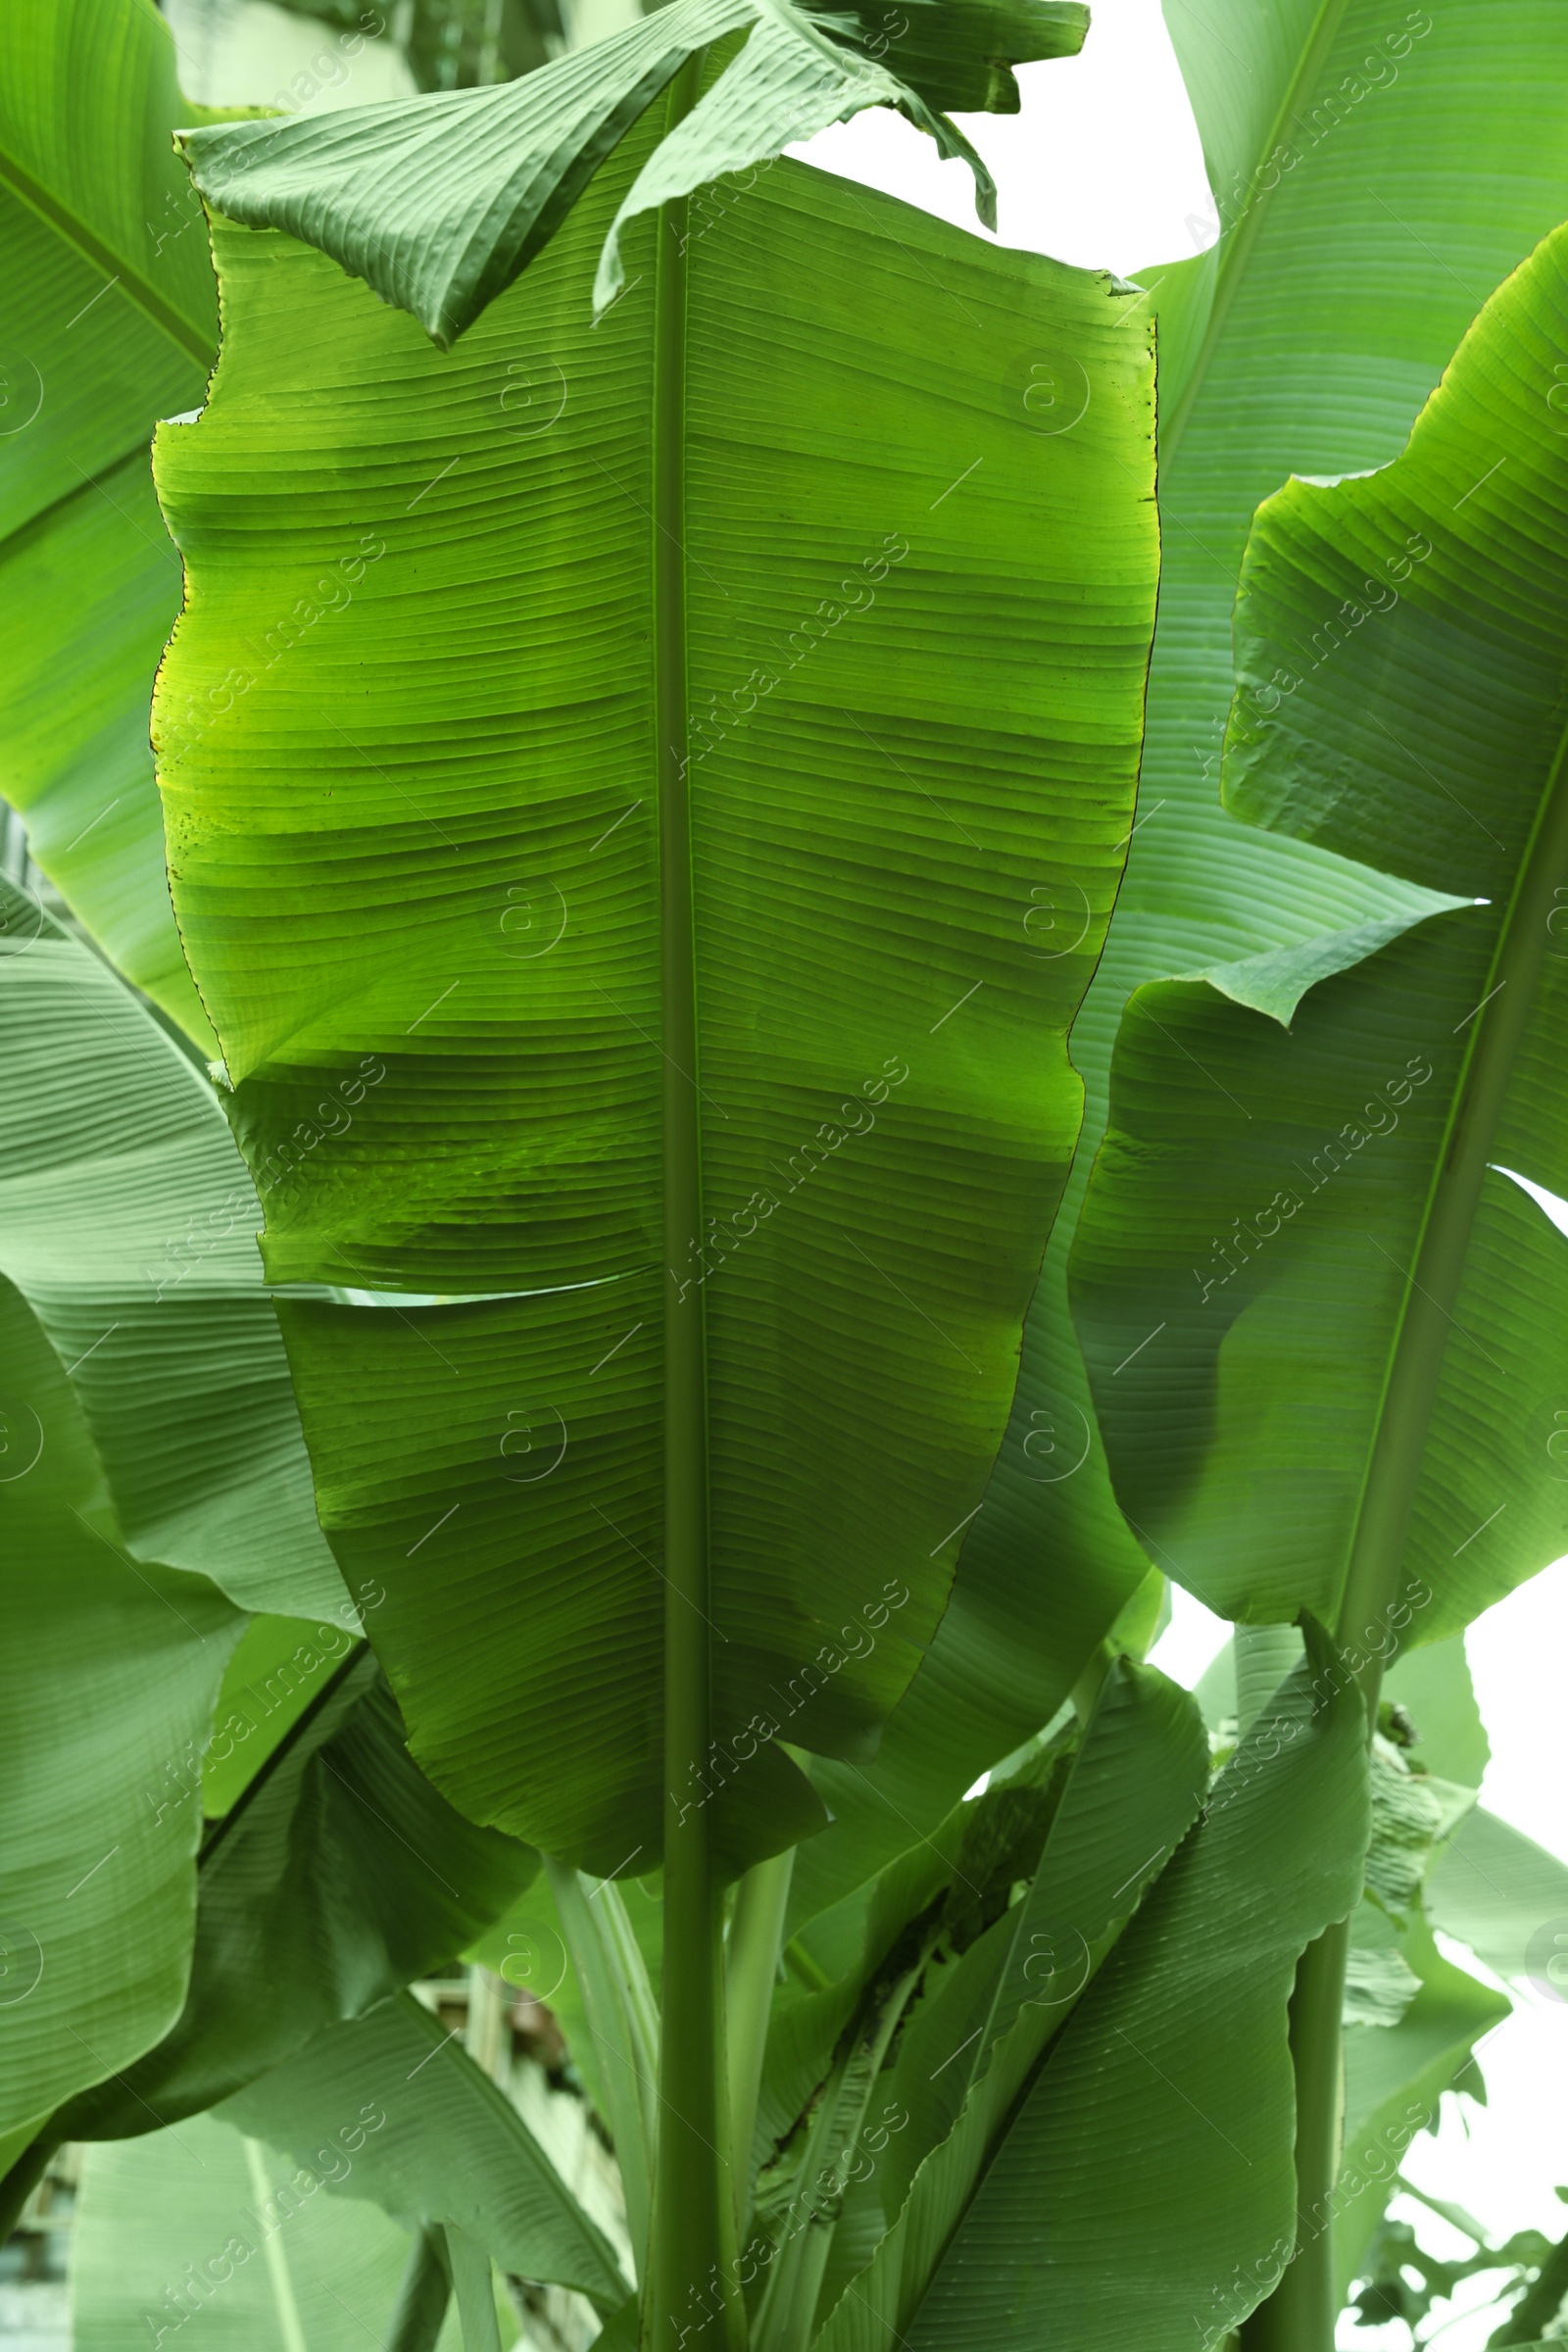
(110, 322)
(1319, 1275)
(409, 745)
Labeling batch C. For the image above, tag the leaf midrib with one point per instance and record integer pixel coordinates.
(1237, 255)
(1414, 1360)
(75, 232)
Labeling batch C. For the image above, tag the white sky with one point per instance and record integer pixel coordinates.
(1103, 169)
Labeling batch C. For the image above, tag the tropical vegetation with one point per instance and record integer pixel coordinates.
(872, 930)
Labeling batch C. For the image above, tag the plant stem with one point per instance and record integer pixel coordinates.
(755, 1935)
(694, 2299)
(423, 2295)
(619, 2007)
(1301, 2314)
(1299, 2317)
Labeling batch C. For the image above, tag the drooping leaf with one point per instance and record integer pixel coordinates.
(1395, 2077)
(110, 1675)
(1304, 341)
(441, 202)
(885, 1110)
(278, 1668)
(448, 2146)
(1105, 2212)
(339, 1875)
(1342, 1323)
(1434, 1689)
(1127, 1802)
(1505, 1896)
(110, 322)
(202, 2238)
(127, 1221)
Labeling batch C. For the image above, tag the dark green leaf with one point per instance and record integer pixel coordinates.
(337, 1877)
(439, 2141)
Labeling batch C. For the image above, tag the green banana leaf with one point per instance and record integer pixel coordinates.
(1309, 1250)
(1447, 1733)
(1395, 2077)
(1506, 1898)
(449, 2146)
(1104, 2214)
(440, 203)
(111, 1673)
(973, 2047)
(337, 1877)
(1304, 341)
(425, 833)
(127, 1221)
(200, 2237)
(110, 322)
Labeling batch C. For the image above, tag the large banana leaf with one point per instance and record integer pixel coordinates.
(449, 2146)
(110, 322)
(111, 1673)
(128, 1223)
(1306, 340)
(1427, 153)
(435, 221)
(431, 834)
(1321, 1308)
(203, 2237)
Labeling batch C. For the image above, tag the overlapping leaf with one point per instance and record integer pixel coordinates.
(1423, 163)
(210, 2238)
(1103, 2211)
(422, 837)
(336, 1879)
(110, 322)
(448, 2145)
(111, 1673)
(127, 1222)
(1341, 1342)
(440, 203)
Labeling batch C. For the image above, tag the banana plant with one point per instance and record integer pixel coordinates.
(110, 322)
(1344, 1162)
(684, 1326)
